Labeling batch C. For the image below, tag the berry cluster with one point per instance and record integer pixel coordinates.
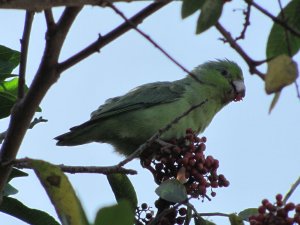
(278, 213)
(185, 160)
(144, 215)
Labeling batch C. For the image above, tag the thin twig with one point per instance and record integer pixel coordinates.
(112, 35)
(247, 13)
(297, 89)
(24, 50)
(275, 19)
(25, 164)
(251, 63)
(32, 124)
(291, 191)
(148, 38)
(157, 135)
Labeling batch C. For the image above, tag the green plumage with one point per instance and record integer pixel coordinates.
(128, 121)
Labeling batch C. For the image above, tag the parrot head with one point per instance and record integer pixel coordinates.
(225, 75)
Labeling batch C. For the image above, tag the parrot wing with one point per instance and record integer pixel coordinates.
(144, 96)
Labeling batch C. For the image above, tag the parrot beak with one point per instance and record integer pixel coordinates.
(239, 89)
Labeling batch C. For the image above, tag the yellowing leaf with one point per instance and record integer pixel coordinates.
(60, 192)
(282, 71)
(274, 101)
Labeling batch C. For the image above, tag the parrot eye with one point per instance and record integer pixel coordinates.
(224, 72)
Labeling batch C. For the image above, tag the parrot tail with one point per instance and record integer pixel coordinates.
(74, 137)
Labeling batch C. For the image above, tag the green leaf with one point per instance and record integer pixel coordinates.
(281, 41)
(123, 188)
(190, 6)
(172, 191)
(10, 86)
(120, 214)
(9, 190)
(200, 221)
(9, 59)
(282, 71)
(235, 219)
(8, 96)
(274, 101)
(6, 103)
(5, 76)
(210, 14)
(245, 214)
(17, 209)
(16, 173)
(60, 192)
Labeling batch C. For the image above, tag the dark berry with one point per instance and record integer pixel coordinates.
(261, 209)
(182, 211)
(144, 206)
(180, 220)
(149, 216)
(290, 206)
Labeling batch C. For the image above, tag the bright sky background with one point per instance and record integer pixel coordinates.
(259, 153)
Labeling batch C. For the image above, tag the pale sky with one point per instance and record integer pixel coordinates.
(258, 153)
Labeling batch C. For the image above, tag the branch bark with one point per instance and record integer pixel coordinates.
(38, 5)
(25, 164)
(24, 109)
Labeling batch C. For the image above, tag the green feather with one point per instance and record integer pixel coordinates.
(128, 121)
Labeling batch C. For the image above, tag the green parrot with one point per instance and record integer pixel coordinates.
(128, 121)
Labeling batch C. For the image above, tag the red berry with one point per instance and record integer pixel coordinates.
(226, 183)
(203, 139)
(202, 147)
(180, 220)
(213, 194)
(265, 202)
(149, 216)
(182, 211)
(214, 184)
(279, 197)
(202, 190)
(298, 208)
(289, 207)
(270, 207)
(262, 209)
(144, 206)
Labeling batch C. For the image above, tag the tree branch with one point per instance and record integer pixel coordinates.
(38, 5)
(112, 35)
(24, 110)
(24, 50)
(25, 164)
(251, 63)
